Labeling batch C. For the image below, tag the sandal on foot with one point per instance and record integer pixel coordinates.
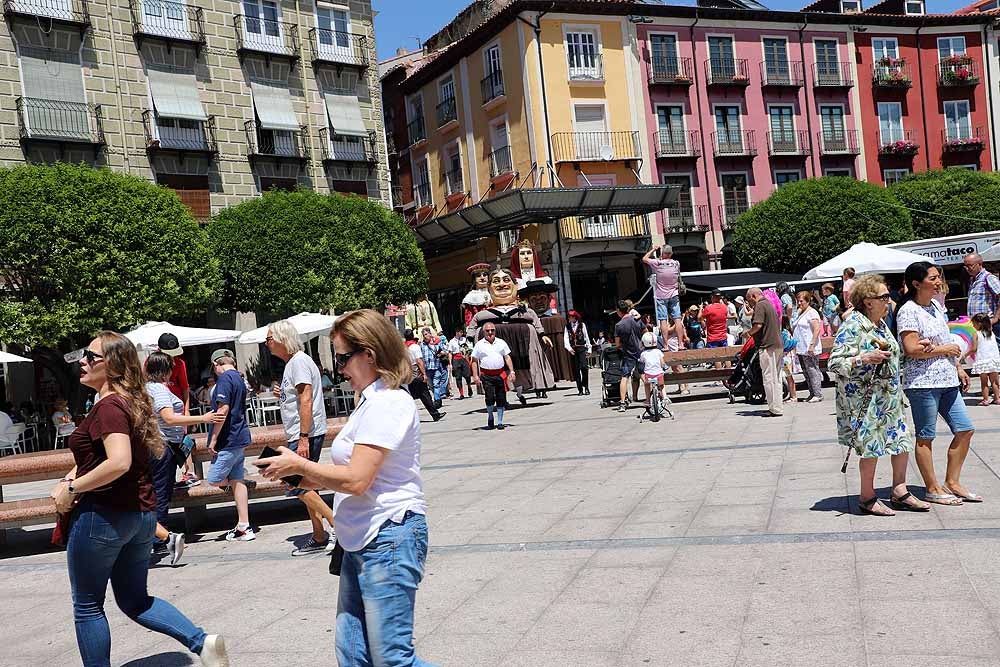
(942, 498)
(868, 507)
(984, 403)
(969, 497)
(901, 504)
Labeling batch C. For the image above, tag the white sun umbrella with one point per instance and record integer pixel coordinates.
(309, 325)
(865, 258)
(147, 335)
(8, 358)
(992, 254)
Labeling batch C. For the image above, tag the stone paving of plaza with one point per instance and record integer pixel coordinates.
(580, 536)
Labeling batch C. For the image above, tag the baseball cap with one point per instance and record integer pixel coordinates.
(222, 352)
(169, 344)
(648, 340)
(716, 292)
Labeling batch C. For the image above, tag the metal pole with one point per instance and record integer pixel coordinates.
(562, 275)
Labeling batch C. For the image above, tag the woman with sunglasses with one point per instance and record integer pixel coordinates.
(110, 495)
(379, 505)
(865, 359)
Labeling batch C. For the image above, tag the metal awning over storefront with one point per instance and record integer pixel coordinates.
(736, 282)
(516, 208)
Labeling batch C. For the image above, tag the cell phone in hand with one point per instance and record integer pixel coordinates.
(292, 480)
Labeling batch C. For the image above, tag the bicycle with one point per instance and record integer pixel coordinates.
(659, 405)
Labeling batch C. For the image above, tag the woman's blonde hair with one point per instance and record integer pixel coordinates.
(369, 330)
(285, 333)
(124, 372)
(866, 287)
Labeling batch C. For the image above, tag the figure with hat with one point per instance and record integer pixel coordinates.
(540, 295)
(180, 387)
(525, 267)
(422, 314)
(478, 297)
(576, 341)
(521, 328)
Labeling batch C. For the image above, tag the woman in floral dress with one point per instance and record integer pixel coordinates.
(859, 362)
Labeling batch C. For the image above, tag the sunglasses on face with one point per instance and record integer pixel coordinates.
(269, 339)
(341, 359)
(884, 298)
(79, 355)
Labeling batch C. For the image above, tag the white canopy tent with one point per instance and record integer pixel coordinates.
(309, 325)
(8, 358)
(992, 254)
(865, 258)
(146, 336)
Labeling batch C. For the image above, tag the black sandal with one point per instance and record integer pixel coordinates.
(901, 504)
(865, 506)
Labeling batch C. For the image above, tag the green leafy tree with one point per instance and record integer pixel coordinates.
(948, 202)
(288, 252)
(805, 223)
(85, 249)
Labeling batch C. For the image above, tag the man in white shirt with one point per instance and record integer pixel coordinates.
(493, 370)
(460, 348)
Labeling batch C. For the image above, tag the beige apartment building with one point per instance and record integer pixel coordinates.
(219, 100)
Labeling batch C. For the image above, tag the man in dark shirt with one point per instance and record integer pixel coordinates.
(766, 333)
(628, 338)
(231, 438)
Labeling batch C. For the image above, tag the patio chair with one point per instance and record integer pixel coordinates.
(9, 443)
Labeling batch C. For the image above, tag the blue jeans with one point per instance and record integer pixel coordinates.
(164, 472)
(437, 378)
(378, 588)
(114, 545)
(927, 404)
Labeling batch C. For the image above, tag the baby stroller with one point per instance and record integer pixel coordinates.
(611, 375)
(747, 379)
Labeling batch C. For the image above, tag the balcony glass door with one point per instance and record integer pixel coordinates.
(776, 61)
(827, 62)
(681, 214)
(261, 24)
(890, 122)
(333, 28)
(180, 133)
(950, 46)
(734, 195)
(581, 48)
(599, 226)
(832, 121)
(165, 17)
(663, 51)
(591, 132)
(727, 128)
(720, 55)
(671, 125)
(956, 119)
(782, 129)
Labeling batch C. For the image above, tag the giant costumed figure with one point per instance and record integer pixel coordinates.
(478, 297)
(422, 314)
(525, 265)
(539, 295)
(521, 329)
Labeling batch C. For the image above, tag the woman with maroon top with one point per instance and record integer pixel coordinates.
(110, 496)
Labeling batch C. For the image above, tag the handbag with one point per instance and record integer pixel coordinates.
(182, 450)
(336, 559)
(681, 287)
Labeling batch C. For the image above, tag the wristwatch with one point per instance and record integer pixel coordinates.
(70, 487)
(303, 435)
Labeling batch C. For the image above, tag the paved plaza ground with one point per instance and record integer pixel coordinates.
(582, 537)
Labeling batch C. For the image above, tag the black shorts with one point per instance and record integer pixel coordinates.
(494, 390)
(460, 369)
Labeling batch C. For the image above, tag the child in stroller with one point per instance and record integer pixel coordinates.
(747, 379)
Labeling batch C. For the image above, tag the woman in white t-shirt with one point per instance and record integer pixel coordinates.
(379, 505)
(808, 345)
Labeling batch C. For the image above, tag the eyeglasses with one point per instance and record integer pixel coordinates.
(884, 298)
(341, 359)
(79, 355)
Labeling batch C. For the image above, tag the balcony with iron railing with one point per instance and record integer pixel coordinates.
(447, 111)
(843, 142)
(730, 211)
(958, 71)
(339, 148)
(727, 72)
(618, 226)
(832, 75)
(897, 143)
(422, 194)
(167, 21)
(491, 86)
(55, 121)
(782, 74)
(266, 36)
(454, 181)
(338, 48)
(681, 218)
(185, 137)
(586, 66)
(788, 142)
(892, 74)
(735, 143)
(67, 12)
(670, 71)
(416, 131)
(278, 145)
(500, 162)
(595, 146)
(677, 143)
(962, 140)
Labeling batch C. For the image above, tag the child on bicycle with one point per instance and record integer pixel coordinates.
(651, 361)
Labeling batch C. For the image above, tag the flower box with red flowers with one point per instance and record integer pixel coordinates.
(901, 148)
(960, 145)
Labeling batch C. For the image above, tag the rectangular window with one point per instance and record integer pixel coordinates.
(950, 46)
(357, 188)
(500, 158)
(670, 120)
(782, 129)
(447, 108)
(827, 61)
(663, 52)
(890, 176)
(734, 194)
(727, 127)
(956, 120)
(261, 22)
(590, 130)
(850, 6)
(55, 104)
(682, 212)
(890, 122)
(422, 184)
(785, 177)
(584, 61)
(720, 56)
(837, 172)
(193, 191)
(493, 59)
(914, 7)
(776, 60)
(333, 26)
(885, 47)
(275, 183)
(454, 181)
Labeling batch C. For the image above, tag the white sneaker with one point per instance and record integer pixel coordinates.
(237, 535)
(815, 399)
(175, 548)
(213, 653)
(331, 543)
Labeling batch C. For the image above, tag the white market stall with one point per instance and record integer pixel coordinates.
(8, 358)
(309, 325)
(865, 258)
(146, 336)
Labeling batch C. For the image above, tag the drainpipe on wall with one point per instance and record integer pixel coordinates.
(987, 59)
(813, 156)
(923, 102)
(716, 262)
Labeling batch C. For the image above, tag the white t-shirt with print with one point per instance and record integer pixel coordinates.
(931, 323)
(386, 418)
(301, 369)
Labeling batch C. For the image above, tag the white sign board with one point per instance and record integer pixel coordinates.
(950, 249)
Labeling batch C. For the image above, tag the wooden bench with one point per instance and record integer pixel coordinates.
(713, 355)
(38, 466)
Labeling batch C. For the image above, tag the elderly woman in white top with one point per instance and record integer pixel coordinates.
(379, 504)
(808, 345)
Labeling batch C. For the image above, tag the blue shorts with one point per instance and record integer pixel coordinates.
(927, 404)
(717, 343)
(315, 448)
(226, 465)
(667, 308)
(629, 365)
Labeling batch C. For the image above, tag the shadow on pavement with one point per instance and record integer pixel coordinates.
(170, 659)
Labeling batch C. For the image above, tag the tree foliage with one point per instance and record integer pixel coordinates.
(304, 251)
(85, 249)
(947, 202)
(806, 223)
